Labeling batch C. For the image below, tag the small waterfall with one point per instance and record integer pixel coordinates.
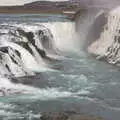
(99, 31)
(29, 48)
(65, 36)
(23, 47)
(107, 46)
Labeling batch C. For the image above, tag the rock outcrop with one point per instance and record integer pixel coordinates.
(107, 46)
(67, 116)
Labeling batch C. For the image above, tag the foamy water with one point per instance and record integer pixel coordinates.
(35, 79)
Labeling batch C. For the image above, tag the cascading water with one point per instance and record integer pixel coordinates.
(107, 44)
(59, 30)
(43, 69)
(24, 47)
(27, 49)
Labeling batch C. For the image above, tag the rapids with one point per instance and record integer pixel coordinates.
(43, 67)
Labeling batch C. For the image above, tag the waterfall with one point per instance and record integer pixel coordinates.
(107, 46)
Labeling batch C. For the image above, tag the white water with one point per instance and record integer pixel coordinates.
(61, 41)
(108, 44)
(82, 82)
(64, 39)
(65, 36)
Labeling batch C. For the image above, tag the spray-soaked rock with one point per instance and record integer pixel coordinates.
(35, 80)
(107, 46)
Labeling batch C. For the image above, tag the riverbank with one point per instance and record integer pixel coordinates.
(70, 14)
(67, 116)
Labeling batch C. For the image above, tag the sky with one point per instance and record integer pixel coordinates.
(18, 2)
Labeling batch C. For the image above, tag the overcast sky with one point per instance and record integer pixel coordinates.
(18, 2)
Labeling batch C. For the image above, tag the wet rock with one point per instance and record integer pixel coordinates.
(7, 66)
(35, 80)
(8, 91)
(55, 116)
(25, 46)
(41, 52)
(4, 49)
(67, 116)
(83, 117)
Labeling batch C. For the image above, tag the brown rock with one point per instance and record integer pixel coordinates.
(55, 116)
(67, 116)
(83, 117)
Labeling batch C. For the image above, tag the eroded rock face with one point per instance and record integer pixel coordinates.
(67, 116)
(107, 46)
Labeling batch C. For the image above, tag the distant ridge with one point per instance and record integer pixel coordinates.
(54, 7)
(44, 4)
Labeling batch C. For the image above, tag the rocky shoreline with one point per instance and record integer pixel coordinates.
(68, 115)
